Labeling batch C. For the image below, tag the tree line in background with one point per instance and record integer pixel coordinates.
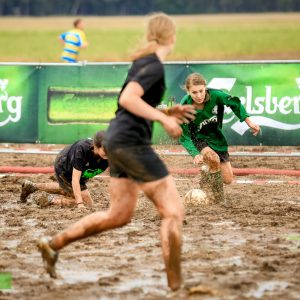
(140, 7)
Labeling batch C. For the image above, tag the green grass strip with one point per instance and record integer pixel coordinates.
(5, 281)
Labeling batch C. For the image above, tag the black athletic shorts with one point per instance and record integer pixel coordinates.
(63, 181)
(224, 155)
(139, 163)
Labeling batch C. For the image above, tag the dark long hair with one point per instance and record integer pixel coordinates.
(98, 138)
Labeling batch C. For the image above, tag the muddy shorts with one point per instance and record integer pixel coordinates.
(63, 181)
(223, 155)
(139, 163)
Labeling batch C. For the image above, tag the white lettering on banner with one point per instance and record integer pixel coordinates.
(10, 104)
(268, 104)
(3, 84)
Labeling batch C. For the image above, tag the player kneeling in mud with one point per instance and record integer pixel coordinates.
(74, 166)
(203, 137)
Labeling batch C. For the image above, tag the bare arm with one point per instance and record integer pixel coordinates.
(76, 174)
(84, 45)
(254, 127)
(131, 100)
(61, 40)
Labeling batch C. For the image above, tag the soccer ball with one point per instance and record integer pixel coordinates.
(196, 197)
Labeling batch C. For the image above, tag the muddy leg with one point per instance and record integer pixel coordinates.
(216, 183)
(205, 182)
(173, 257)
(165, 196)
(28, 188)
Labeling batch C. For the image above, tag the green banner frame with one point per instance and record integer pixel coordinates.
(61, 103)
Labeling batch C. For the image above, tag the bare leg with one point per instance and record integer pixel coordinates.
(226, 171)
(52, 188)
(214, 189)
(165, 196)
(212, 160)
(64, 199)
(123, 201)
(28, 187)
(70, 200)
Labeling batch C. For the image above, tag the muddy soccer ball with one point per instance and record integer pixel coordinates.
(196, 197)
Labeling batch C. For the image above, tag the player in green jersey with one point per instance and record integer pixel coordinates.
(203, 138)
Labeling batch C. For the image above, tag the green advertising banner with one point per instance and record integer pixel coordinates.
(18, 104)
(77, 100)
(59, 103)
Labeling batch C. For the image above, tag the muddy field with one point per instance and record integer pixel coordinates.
(247, 250)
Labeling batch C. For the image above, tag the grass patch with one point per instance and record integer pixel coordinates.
(207, 37)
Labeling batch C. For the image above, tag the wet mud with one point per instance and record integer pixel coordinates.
(248, 249)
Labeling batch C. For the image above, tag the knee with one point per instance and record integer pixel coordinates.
(173, 225)
(227, 176)
(228, 180)
(211, 158)
(120, 219)
(86, 197)
(123, 222)
(175, 217)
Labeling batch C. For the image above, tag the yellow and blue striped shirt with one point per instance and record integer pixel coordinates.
(74, 40)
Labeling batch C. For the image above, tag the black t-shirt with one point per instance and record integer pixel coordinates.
(80, 156)
(127, 129)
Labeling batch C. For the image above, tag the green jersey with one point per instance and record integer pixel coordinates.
(207, 126)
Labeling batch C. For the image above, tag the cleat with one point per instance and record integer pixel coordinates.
(27, 188)
(49, 255)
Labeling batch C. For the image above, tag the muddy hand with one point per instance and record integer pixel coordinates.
(185, 113)
(171, 125)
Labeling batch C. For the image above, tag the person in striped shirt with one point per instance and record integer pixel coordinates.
(73, 40)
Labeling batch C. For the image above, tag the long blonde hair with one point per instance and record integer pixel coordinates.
(160, 30)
